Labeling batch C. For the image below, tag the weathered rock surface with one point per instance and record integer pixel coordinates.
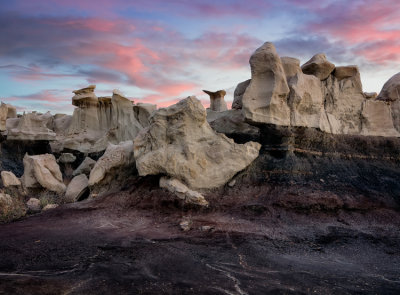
(217, 102)
(50, 206)
(9, 179)
(143, 112)
(238, 94)
(377, 119)
(291, 66)
(343, 72)
(85, 167)
(370, 95)
(33, 205)
(391, 89)
(7, 111)
(265, 99)
(182, 191)
(76, 188)
(115, 156)
(42, 171)
(180, 143)
(318, 66)
(32, 126)
(61, 123)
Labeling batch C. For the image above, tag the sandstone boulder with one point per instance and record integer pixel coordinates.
(318, 66)
(33, 205)
(115, 156)
(265, 99)
(182, 191)
(217, 102)
(341, 73)
(9, 179)
(85, 167)
(377, 119)
(370, 95)
(238, 94)
(181, 144)
(33, 126)
(391, 89)
(42, 171)
(76, 188)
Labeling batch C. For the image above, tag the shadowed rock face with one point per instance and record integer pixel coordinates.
(217, 102)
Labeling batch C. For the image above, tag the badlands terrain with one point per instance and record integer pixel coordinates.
(293, 190)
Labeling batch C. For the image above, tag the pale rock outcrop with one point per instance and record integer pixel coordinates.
(66, 158)
(33, 126)
(306, 100)
(115, 156)
(9, 179)
(12, 123)
(33, 205)
(76, 188)
(238, 94)
(391, 93)
(318, 66)
(232, 123)
(265, 99)
(7, 111)
(377, 119)
(143, 112)
(61, 123)
(99, 121)
(370, 95)
(181, 144)
(5, 200)
(42, 171)
(343, 104)
(49, 207)
(182, 191)
(217, 102)
(85, 167)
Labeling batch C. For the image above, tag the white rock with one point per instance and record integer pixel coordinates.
(265, 99)
(66, 158)
(115, 156)
(291, 66)
(182, 191)
(318, 66)
(42, 171)
(180, 143)
(76, 188)
(49, 207)
(217, 102)
(9, 179)
(85, 167)
(33, 205)
(143, 112)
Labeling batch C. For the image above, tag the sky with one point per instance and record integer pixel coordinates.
(160, 51)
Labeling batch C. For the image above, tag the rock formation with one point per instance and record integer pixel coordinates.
(265, 99)
(180, 143)
(391, 94)
(6, 112)
(9, 179)
(76, 188)
(182, 191)
(114, 157)
(42, 171)
(85, 167)
(238, 94)
(318, 66)
(32, 126)
(143, 112)
(217, 102)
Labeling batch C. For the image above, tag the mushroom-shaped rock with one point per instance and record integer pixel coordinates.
(85, 167)
(217, 102)
(377, 120)
(318, 66)
(115, 156)
(42, 171)
(9, 179)
(84, 96)
(265, 99)
(181, 144)
(76, 188)
(238, 94)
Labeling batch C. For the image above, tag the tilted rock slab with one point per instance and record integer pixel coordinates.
(180, 143)
(42, 171)
(85, 167)
(182, 191)
(115, 156)
(265, 99)
(318, 66)
(238, 94)
(9, 179)
(76, 188)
